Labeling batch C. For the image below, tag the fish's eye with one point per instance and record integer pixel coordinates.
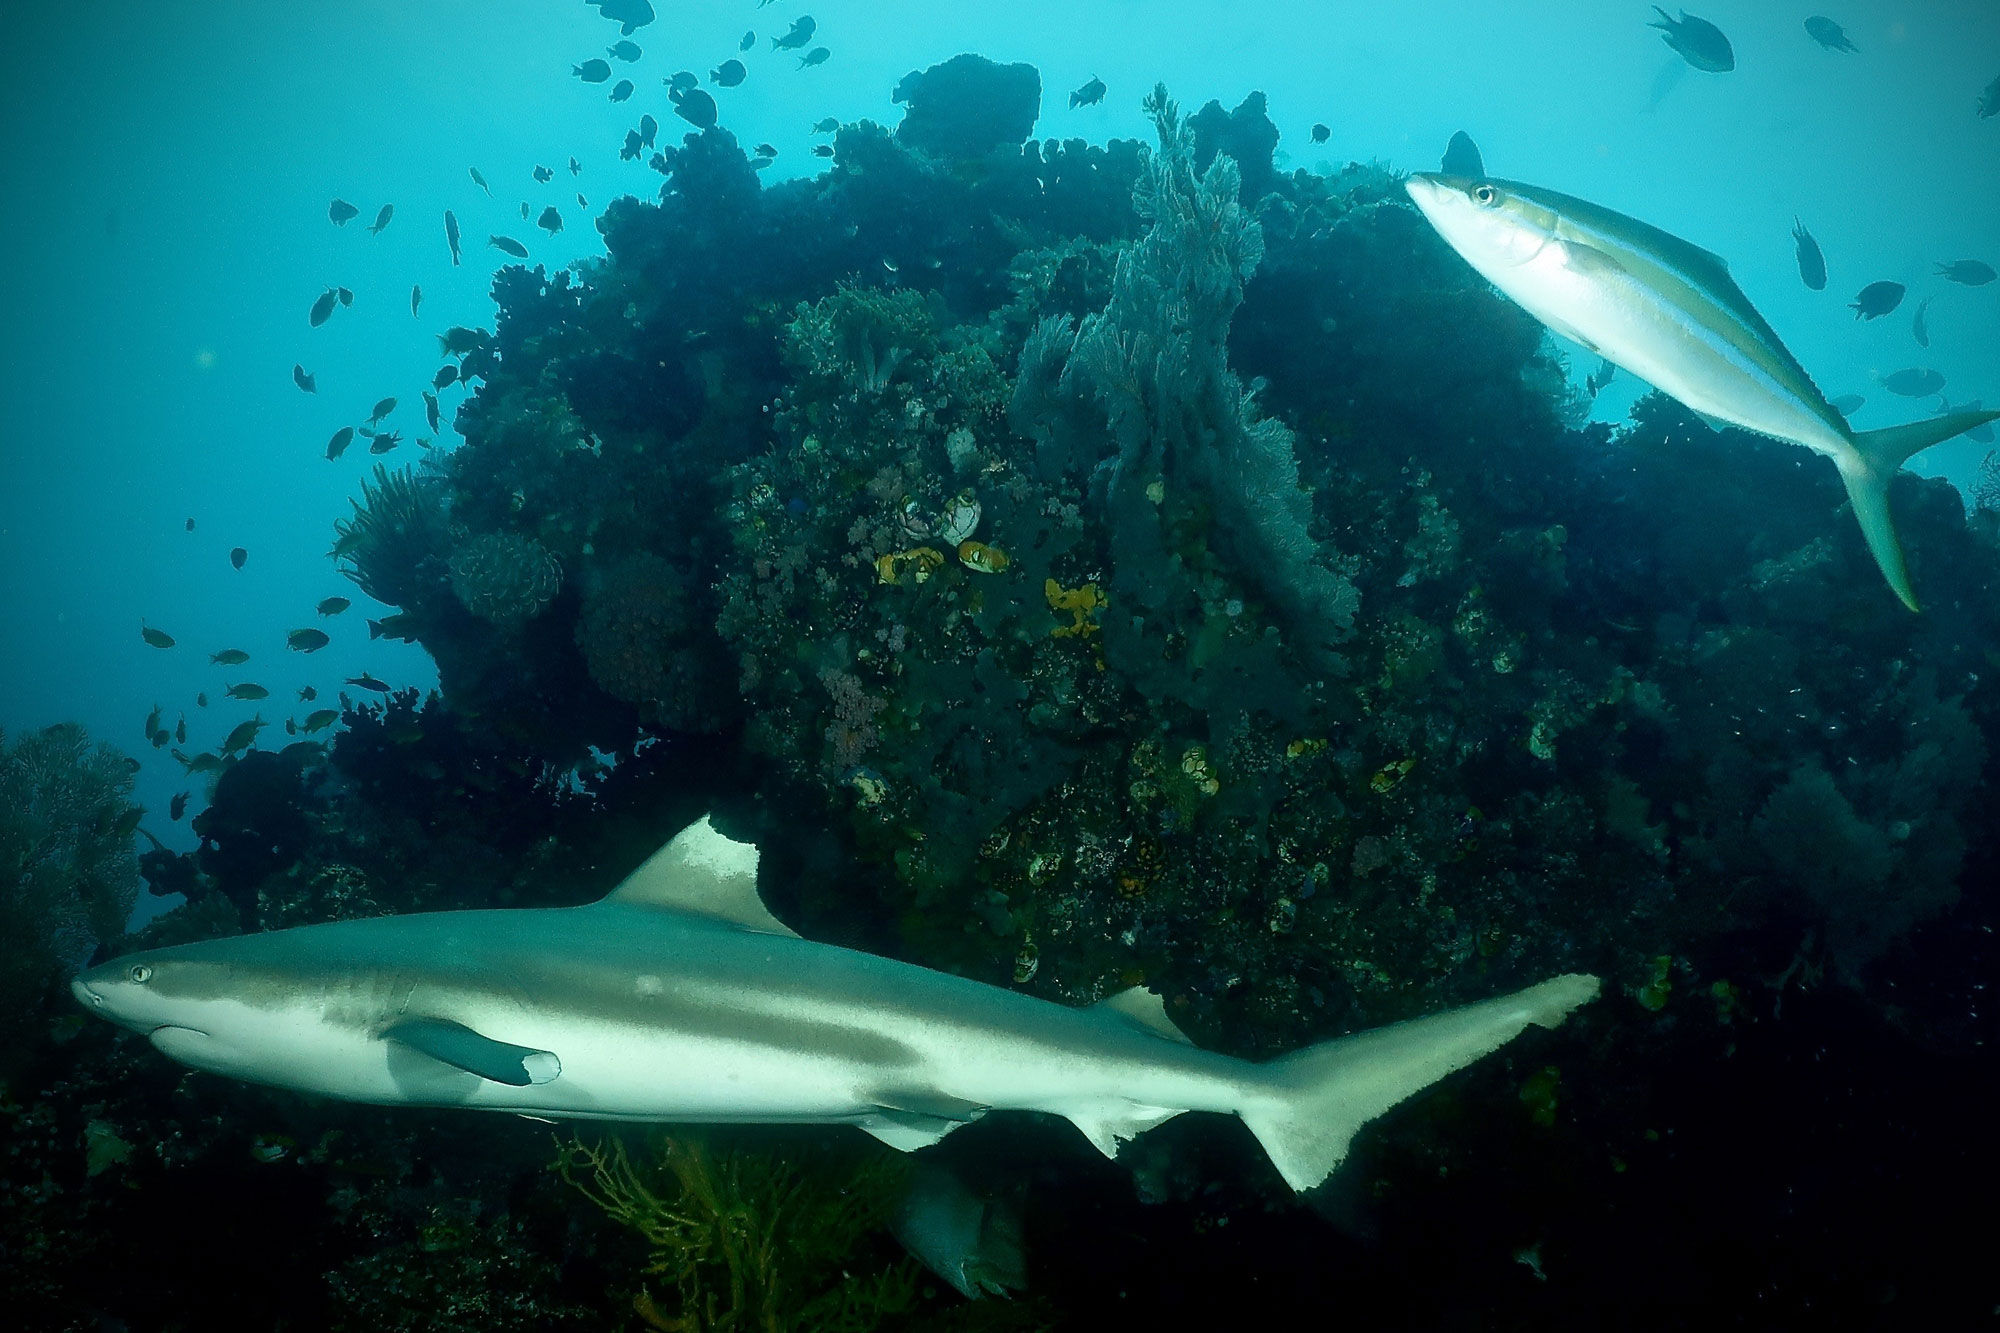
(1484, 195)
(140, 973)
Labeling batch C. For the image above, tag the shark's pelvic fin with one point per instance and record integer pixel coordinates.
(1879, 453)
(1108, 1128)
(702, 872)
(1315, 1100)
(1143, 1008)
(462, 1048)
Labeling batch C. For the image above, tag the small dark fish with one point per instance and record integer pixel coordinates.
(291, 727)
(507, 245)
(1915, 382)
(648, 130)
(802, 31)
(1966, 272)
(550, 221)
(322, 309)
(480, 181)
(1812, 262)
(178, 806)
(446, 376)
(1989, 101)
(1461, 157)
(749, 40)
(382, 220)
(307, 694)
(237, 555)
(383, 407)
(760, 163)
(1829, 34)
(697, 108)
(679, 82)
(524, 210)
(307, 640)
(181, 730)
(592, 71)
(1698, 41)
(190, 525)
(153, 721)
(458, 340)
(1089, 95)
(1983, 432)
(1321, 133)
(582, 202)
(622, 90)
(340, 212)
(767, 150)
(625, 51)
(346, 297)
(822, 150)
(1876, 300)
(337, 446)
(303, 380)
(575, 167)
(416, 298)
(402, 626)
(319, 720)
(384, 442)
(826, 126)
(1918, 328)
(451, 235)
(201, 763)
(431, 410)
(333, 606)
(1600, 378)
(201, 700)
(157, 638)
(543, 175)
(229, 657)
(632, 15)
(728, 74)
(243, 735)
(368, 682)
(247, 692)
(1848, 404)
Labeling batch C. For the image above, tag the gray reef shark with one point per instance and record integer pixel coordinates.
(679, 997)
(1669, 312)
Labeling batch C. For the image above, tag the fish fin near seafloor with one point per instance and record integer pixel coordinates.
(1312, 1102)
(705, 873)
(909, 1121)
(1113, 1125)
(460, 1047)
(1143, 1009)
(1878, 454)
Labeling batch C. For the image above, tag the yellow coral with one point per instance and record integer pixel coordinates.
(1083, 604)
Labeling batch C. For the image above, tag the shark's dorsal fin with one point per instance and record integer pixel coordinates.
(702, 872)
(1143, 1008)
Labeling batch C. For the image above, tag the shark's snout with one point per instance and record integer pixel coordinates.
(85, 996)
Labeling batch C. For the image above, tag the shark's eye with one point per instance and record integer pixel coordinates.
(141, 973)
(1484, 195)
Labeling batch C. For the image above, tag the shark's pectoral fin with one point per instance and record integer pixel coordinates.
(462, 1048)
(909, 1120)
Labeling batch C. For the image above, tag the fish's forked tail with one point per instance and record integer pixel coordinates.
(1867, 474)
(1312, 1102)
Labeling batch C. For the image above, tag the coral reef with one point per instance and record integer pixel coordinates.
(504, 578)
(968, 106)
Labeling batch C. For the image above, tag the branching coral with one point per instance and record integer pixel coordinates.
(505, 578)
(68, 873)
(860, 337)
(394, 546)
(746, 1241)
(646, 643)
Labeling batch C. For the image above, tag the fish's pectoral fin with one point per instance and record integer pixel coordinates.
(460, 1047)
(705, 873)
(1142, 1008)
(905, 1131)
(1109, 1127)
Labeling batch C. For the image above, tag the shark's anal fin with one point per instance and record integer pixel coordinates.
(702, 872)
(462, 1048)
(1142, 1008)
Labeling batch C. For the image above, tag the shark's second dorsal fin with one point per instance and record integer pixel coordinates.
(1143, 1008)
(702, 872)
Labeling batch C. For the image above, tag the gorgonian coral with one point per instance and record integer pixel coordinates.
(647, 642)
(505, 578)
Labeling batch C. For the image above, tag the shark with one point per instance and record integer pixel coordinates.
(679, 997)
(1669, 312)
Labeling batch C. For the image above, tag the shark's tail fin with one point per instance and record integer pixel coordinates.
(1878, 453)
(1313, 1101)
